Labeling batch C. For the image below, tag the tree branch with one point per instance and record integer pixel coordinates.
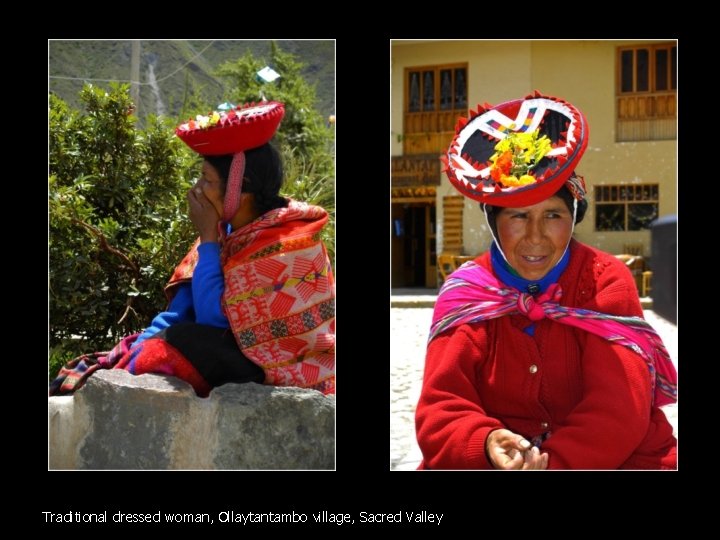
(107, 247)
(110, 249)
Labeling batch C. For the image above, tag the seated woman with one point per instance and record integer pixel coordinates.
(253, 300)
(538, 356)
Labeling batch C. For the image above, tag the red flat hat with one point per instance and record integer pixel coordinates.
(517, 153)
(230, 132)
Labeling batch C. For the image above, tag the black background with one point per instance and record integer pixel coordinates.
(470, 501)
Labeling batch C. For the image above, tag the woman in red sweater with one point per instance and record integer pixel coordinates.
(538, 355)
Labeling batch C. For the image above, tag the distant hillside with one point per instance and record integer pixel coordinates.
(173, 67)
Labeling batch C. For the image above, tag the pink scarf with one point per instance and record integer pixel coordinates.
(473, 294)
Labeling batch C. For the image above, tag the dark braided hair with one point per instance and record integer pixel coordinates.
(263, 176)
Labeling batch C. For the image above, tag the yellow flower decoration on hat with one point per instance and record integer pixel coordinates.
(515, 155)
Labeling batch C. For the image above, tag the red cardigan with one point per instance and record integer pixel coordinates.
(594, 397)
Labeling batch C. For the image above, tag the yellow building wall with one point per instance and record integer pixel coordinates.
(583, 73)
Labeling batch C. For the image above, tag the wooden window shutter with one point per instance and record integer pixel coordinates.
(453, 224)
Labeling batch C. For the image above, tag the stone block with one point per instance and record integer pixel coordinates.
(120, 421)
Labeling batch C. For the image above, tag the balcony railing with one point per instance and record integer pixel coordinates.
(646, 117)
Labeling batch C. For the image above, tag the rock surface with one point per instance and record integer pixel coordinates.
(120, 421)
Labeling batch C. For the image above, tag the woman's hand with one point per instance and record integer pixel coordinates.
(203, 215)
(508, 450)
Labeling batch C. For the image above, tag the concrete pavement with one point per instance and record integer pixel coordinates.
(408, 330)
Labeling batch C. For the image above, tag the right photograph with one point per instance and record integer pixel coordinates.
(533, 255)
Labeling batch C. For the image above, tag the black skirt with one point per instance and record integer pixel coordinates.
(213, 351)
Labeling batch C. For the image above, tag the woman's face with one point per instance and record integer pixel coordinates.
(212, 186)
(534, 238)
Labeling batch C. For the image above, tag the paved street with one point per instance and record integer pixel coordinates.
(408, 330)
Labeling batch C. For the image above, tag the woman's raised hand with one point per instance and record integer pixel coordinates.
(203, 215)
(508, 450)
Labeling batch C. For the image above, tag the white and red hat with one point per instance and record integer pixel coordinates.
(229, 132)
(517, 153)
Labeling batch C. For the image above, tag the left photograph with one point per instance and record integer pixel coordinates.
(191, 254)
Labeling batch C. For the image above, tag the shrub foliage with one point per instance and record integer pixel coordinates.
(117, 219)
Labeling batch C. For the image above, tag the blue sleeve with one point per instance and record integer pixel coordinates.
(208, 285)
(179, 310)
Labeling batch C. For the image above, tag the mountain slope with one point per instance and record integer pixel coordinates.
(170, 69)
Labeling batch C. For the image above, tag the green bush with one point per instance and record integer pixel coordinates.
(117, 219)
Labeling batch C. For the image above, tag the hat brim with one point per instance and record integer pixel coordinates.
(243, 128)
(468, 158)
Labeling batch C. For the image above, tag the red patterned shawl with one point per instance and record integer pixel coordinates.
(280, 295)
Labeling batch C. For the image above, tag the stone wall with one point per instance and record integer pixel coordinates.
(119, 421)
